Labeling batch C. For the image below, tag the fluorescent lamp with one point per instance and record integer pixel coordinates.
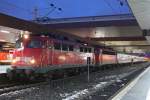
(1, 40)
(4, 31)
(85, 44)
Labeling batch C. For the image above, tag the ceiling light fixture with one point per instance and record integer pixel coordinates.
(1, 40)
(4, 31)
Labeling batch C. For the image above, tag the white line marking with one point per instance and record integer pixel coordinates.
(148, 95)
(121, 94)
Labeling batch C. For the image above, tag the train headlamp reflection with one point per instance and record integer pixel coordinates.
(14, 61)
(27, 60)
(26, 36)
(32, 61)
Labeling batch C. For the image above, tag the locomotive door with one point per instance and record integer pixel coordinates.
(50, 52)
(46, 58)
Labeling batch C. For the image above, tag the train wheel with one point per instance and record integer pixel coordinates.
(49, 77)
(32, 78)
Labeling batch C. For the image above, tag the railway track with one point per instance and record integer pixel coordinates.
(15, 87)
(7, 85)
(6, 88)
(12, 87)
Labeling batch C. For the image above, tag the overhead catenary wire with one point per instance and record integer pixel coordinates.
(51, 9)
(32, 11)
(121, 4)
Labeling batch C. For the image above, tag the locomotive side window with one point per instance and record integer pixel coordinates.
(35, 44)
(85, 49)
(50, 46)
(71, 48)
(89, 50)
(81, 49)
(65, 47)
(57, 46)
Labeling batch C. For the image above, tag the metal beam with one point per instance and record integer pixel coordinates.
(128, 45)
(94, 24)
(12, 22)
(133, 38)
(88, 19)
(93, 21)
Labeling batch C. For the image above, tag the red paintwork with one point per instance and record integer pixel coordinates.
(104, 58)
(109, 59)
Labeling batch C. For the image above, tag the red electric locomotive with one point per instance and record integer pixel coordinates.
(42, 54)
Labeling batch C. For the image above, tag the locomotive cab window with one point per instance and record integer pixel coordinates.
(18, 44)
(35, 44)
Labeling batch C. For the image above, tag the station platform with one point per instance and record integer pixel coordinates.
(138, 89)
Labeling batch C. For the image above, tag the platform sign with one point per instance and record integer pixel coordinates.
(88, 60)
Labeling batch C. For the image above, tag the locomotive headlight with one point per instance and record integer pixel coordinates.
(14, 61)
(26, 36)
(32, 61)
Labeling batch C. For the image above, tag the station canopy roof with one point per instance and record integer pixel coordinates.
(30, 9)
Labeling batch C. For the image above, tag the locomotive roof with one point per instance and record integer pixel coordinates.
(75, 39)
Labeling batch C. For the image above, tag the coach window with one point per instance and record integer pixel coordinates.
(108, 52)
(57, 46)
(65, 47)
(70, 47)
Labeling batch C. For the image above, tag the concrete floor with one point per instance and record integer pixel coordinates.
(139, 89)
(3, 68)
